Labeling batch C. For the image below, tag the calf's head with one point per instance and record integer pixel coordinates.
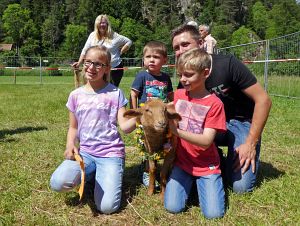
(154, 114)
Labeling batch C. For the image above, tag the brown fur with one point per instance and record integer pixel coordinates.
(154, 116)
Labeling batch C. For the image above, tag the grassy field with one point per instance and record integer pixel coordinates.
(33, 126)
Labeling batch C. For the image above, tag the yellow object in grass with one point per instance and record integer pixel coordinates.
(81, 163)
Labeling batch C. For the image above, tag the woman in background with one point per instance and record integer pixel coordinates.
(117, 44)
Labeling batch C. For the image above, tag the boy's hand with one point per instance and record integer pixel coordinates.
(70, 152)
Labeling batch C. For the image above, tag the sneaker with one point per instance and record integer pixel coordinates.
(145, 180)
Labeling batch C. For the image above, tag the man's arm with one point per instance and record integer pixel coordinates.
(246, 152)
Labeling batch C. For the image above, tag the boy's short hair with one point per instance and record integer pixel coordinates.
(194, 59)
(156, 46)
(186, 28)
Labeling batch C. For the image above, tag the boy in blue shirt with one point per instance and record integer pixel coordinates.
(152, 83)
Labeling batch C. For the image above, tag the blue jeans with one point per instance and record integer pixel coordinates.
(210, 192)
(108, 175)
(237, 132)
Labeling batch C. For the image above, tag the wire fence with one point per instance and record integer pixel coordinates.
(275, 62)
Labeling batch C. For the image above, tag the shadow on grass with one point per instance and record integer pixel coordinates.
(131, 181)
(267, 172)
(26, 129)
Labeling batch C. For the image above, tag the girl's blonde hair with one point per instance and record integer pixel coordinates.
(194, 59)
(103, 53)
(108, 36)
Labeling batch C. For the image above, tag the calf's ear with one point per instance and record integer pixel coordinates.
(171, 112)
(173, 115)
(132, 113)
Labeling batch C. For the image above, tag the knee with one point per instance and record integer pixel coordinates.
(107, 208)
(213, 213)
(241, 188)
(173, 207)
(59, 185)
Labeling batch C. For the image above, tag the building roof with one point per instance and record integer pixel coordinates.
(5, 47)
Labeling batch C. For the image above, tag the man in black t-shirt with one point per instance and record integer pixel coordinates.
(247, 107)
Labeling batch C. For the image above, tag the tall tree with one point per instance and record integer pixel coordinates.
(259, 19)
(14, 21)
(52, 30)
(74, 41)
(284, 19)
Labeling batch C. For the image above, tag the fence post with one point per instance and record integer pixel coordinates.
(266, 65)
(41, 80)
(15, 76)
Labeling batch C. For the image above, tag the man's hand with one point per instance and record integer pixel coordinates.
(245, 156)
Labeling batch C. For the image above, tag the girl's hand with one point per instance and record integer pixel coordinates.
(70, 152)
(75, 65)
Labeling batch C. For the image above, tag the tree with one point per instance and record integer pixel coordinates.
(14, 21)
(76, 36)
(260, 19)
(52, 30)
(138, 33)
(284, 19)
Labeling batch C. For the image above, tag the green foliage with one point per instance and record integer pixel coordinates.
(223, 34)
(32, 21)
(242, 35)
(260, 19)
(285, 18)
(15, 19)
(75, 39)
(138, 33)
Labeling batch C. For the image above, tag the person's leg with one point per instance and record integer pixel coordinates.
(237, 134)
(211, 195)
(116, 75)
(68, 174)
(108, 184)
(177, 190)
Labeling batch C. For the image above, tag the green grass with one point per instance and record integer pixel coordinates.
(33, 128)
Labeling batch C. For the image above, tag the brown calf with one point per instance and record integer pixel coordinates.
(154, 116)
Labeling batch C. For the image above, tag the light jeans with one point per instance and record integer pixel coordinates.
(237, 132)
(108, 174)
(210, 192)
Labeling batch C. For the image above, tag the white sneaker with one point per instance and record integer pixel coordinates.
(145, 180)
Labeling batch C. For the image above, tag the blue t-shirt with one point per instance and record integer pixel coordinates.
(151, 86)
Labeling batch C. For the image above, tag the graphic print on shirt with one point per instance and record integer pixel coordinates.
(193, 116)
(156, 89)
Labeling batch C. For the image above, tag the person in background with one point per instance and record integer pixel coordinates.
(95, 111)
(208, 43)
(247, 107)
(197, 158)
(117, 44)
(151, 83)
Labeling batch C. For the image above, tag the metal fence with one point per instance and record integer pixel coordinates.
(40, 70)
(275, 62)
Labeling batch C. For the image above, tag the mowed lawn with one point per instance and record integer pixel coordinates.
(33, 127)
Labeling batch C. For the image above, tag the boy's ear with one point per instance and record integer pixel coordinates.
(206, 72)
(165, 60)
